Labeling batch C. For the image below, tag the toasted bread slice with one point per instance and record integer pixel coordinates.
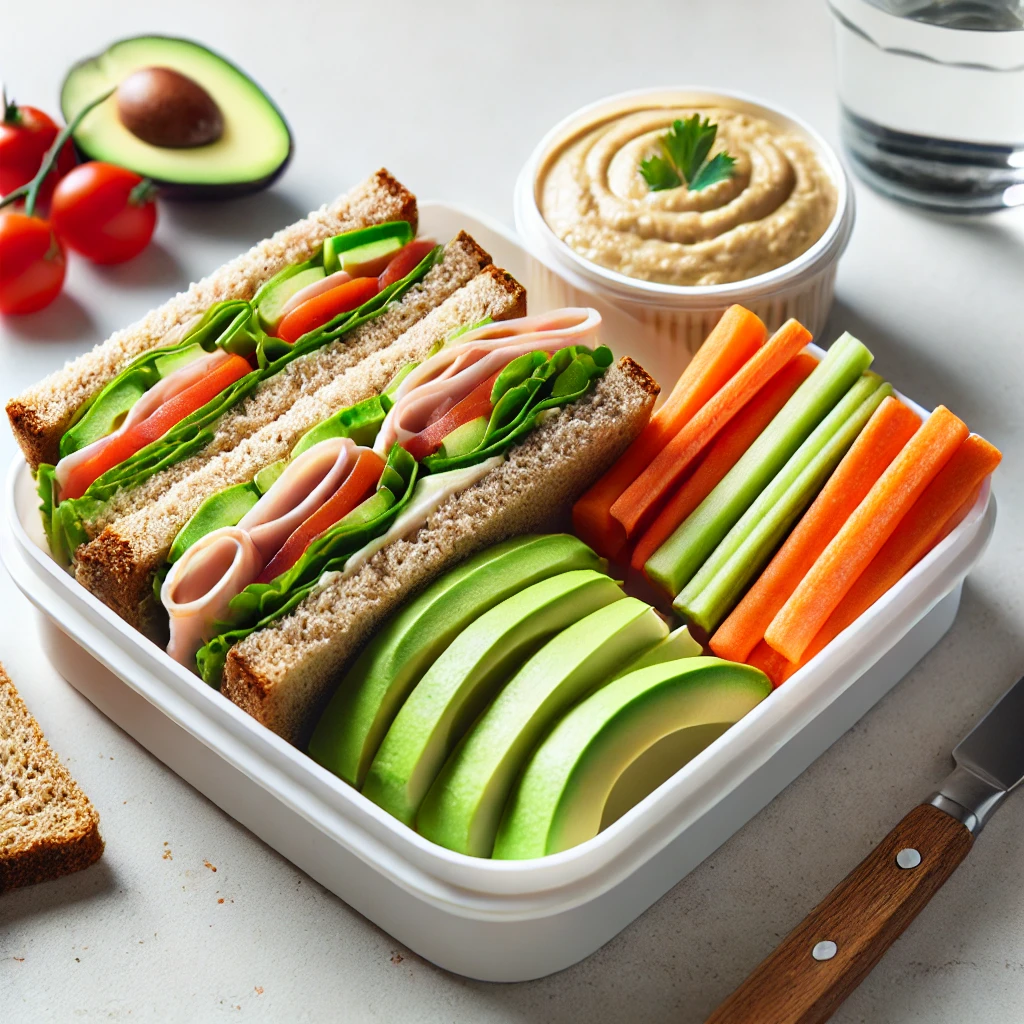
(119, 564)
(463, 259)
(284, 674)
(48, 827)
(40, 415)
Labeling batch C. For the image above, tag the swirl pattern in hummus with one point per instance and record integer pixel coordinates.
(778, 203)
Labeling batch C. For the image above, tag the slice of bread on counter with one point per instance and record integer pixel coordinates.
(48, 827)
(40, 415)
(118, 565)
(284, 674)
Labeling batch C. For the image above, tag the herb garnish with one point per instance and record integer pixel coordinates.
(686, 147)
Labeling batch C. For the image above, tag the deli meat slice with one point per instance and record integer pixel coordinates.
(201, 584)
(444, 379)
(298, 492)
(163, 391)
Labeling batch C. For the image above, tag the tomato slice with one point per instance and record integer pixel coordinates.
(405, 261)
(122, 446)
(476, 404)
(320, 309)
(354, 489)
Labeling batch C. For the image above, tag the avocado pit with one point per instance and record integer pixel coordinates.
(165, 108)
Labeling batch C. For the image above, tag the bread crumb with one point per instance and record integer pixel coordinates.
(209, 865)
(167, 855)
(221, 900)
(396, 957)
(259, 990)
(20, 959)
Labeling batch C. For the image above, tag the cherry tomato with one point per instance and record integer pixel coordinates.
(104, 212)
(25, 136)
(32, 263)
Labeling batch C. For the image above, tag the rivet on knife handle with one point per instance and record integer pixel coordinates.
(827, 956)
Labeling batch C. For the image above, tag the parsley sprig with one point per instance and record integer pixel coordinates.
(686, 146)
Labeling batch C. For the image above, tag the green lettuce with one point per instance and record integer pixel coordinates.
(528, 386)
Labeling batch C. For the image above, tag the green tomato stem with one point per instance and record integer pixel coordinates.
(31, 190)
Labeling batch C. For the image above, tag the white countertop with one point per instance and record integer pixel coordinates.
(452, 98)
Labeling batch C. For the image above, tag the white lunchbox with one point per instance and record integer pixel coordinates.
(493, 920)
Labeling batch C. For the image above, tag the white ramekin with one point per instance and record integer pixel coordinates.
(676, 319)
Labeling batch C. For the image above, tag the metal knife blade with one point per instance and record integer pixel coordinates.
(989, 763)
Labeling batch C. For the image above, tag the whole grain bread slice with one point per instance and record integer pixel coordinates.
(461, 261)
(48, 827)
(40, 415)
(118, 565)
(284, 674)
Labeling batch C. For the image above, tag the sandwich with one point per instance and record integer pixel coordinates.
(223, 374)
(41, 415)
(274, 583)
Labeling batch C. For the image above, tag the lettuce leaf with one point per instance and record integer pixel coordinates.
(555, 381)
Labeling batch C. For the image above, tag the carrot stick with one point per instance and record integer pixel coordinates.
(862, 535)
(638, 505)
(771, 663)
(724, 453)
(888, 430)
(940, 510)
(735, 338)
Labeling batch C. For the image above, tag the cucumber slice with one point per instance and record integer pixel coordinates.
(465, 439)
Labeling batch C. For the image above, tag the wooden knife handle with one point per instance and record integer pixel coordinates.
(806, 978)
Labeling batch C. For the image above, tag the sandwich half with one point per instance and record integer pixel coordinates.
(236, 368)
(41, 415)
(275, 581)
(140, 526)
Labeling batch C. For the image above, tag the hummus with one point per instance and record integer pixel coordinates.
(777, 204)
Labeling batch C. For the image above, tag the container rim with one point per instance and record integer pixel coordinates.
(827, 249)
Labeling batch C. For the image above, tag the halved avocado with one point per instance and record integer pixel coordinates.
(252, 151)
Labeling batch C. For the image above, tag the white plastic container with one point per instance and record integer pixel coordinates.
(674, 320)
(493, 920)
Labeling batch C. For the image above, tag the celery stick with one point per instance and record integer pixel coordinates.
(709, 597)
(674, 564)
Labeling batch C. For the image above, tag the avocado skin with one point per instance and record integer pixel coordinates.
(176, 189)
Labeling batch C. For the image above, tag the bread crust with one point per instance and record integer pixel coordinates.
(41, 414)
(283, 675)
(118, 565)
(34, 784)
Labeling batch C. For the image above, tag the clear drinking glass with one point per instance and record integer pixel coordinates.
(932, 96)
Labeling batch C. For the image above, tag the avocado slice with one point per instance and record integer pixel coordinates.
(617, 746)
(365, 704)
(252, 152)
(463, 680)
(463, 807)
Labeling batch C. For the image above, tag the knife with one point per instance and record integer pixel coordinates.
(830, 953)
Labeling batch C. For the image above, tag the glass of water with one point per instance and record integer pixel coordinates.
(932, 95)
